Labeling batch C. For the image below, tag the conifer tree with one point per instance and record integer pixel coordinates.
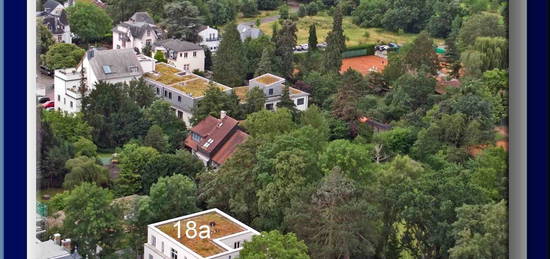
(286, 40)
(312, 40)
(230, 61)
(265, 65)
(286, 102)
(336, 43)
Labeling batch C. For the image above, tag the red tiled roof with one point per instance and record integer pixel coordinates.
(219, 137)
(229, 147)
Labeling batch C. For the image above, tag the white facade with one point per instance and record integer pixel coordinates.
(185, 60)
(123, 38)
(161, 245)
(65, 37)
(210, 38)
(273, 85)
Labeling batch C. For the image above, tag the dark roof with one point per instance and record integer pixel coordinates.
(56, 24)
(114, 63)
(137, 29)
(142, 17)
(50, 5)
(201, 28)
(219, 137)
(177, 45)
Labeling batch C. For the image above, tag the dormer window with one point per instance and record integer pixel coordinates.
(270, 91)
(195, 137)
(133, 69)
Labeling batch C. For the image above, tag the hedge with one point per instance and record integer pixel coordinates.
(359, 50)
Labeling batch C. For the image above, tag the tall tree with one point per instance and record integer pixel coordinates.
(100, 224)
(89, 22)
(160, 113)
(481, 231)
(140, 92)
(156, 138)
(345, 102)
(63, 55)
(121, 10)
(286, 40)
(266, 62)
(336, 44)
(182, 20)
(268, 4)
(422, 54)
(44, 38)
(334, 221)
(66, 127)
(273, 244)
(268, 124)
(133, 162)
(214, 101)
(230, 61)
(172, 197)
(208, 62)
(286, 102)
(255, 100)
(163, 165)
(479, 25)
(312, 39)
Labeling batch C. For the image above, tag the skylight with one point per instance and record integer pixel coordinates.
(107, 69)
(208, 142)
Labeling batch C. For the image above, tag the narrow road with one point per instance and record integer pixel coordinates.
(264, 20)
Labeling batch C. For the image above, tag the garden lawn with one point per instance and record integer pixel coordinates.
(261, 15)
(355, 35)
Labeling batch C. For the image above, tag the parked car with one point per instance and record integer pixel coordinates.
(322, 45)
(305, 46)
(43, 99)
(46, 71)
(393, 45)
(299, 48)
(48, 104)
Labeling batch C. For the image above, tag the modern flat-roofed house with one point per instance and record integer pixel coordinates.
(272, 86)
(182, 89)
(183, 55)
(214, 140)
(112, 66)
(210, 38)
(226, 239)
(55, 19)
(136, 33)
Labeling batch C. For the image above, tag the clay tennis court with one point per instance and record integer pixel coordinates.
(364, 64)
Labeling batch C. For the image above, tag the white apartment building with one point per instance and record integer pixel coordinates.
(184, 55)
(210, 38)
(272, 86)
(226, 237)
(112, 66)
(136, 33)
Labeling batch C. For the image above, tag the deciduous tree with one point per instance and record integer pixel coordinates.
(85, 169)
(181, 19)
(89, 22)
(63, 55)
(273, 244)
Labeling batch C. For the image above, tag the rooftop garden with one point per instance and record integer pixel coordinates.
(267, 79)
(241, 92)
(204, 247)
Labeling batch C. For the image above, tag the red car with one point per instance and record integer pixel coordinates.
(48, 104)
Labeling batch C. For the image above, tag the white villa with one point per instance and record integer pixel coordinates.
(136, 33)
(184, 55)
(272, 86)
(112, 66)
(55, 19)
(225, 239)
(210, 38)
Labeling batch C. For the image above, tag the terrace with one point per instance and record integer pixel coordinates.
(190, 84)
(220, 226)
(267, 79)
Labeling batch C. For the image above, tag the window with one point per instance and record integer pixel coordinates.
(180, 55)
(64, 101)
(107, 69)
(174, 254)
(118, 46)
(59, 38)
(158, 91)
(165, 93)
(148, 42)
(185, 55)
(236, 244)
(180, 115)
(162, 247)
(71, 102)
(186, 67)
(133, 69)
(150, 256)
(269, 106)
(194, 53)
(195, 136)
(270, 91)
(59, 98)
(300, 101)
(208, 143)
(179, 98)
(154, 241)
(169, 95)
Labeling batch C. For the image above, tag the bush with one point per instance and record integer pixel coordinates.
(366, 34)
(159, 56)
(302, 11)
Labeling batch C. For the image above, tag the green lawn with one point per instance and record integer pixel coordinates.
(261, 15)
(355, 34)
(50, 191)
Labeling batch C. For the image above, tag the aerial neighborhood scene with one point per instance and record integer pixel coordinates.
(256, 129)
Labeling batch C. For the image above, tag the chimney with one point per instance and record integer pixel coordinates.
(66, 244)
(57, 239)
(222, 114)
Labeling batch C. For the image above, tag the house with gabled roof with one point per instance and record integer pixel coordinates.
(55, 19)
(136, 33)
(214, 140)
(210, 37)
(112, 66)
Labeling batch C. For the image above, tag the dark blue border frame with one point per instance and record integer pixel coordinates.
(15, 129)
(537, 130)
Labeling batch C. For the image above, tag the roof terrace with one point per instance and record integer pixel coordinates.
(268, 79)
(220, 225)
(188, 83)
